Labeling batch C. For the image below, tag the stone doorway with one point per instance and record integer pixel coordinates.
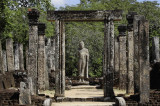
(108, 17)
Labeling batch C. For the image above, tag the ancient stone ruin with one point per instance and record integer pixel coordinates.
(126, 62)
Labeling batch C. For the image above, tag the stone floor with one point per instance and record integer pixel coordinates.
(85, 91)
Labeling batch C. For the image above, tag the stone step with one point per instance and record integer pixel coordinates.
(83, 104)
(84, 87)
(95, 99)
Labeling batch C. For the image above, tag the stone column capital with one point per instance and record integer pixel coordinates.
(33, 15)
(41, 28)
(122, 30)
(130, 19)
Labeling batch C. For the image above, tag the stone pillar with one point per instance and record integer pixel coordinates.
(116, 61)
(16, 56)
(25, 94)
(4, 61)
(144, 61)
(122, 57)
(116, 55)
(1, 59)
(137, 18)
(53, 53)
(111, 66)
(41, 56)
(57, 80)
(33, 16)
(60, 59)
(21, 57)
(155, 49)
(130, 53)
(48, 54)
(30, 85)
(26, 53)
(10, 56)
(108, 62)
(63, 56)
(47, 62)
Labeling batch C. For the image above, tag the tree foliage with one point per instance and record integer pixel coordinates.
(14, 16)
(92, 33)
(14, 24)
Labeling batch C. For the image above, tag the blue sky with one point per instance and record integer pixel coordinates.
(62, 3)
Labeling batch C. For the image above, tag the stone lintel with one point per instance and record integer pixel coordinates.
(41, 28)
(84, 15)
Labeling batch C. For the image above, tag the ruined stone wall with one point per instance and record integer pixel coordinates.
(9, 98)
(7, 81)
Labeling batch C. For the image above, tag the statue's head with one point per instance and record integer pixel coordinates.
(81, 45)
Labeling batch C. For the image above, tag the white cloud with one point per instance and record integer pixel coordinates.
(58, 3)
(62, 3)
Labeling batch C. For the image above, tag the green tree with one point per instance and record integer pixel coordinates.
(15, 21)
(90, 32)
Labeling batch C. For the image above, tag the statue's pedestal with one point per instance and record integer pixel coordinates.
(80, 83)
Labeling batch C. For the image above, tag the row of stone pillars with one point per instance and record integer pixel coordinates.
(132, 53)
(38, 53)
(132, 56)
(12, 58)
(39, 59)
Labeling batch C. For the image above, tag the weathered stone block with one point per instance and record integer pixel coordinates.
(10, 56)
(25, 94)
(41, 57)
(16, 56)
(123, 59)
(155, 49)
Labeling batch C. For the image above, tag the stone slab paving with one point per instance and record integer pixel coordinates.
(83, 92)
(85, 87)
(83, 104)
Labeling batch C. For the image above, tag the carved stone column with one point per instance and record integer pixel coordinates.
(122, 57)
(144, 61)
(155, 49)
(130, 53)
(33, 16)
(1, 59)
(108, 62)
(41, 56)
(47, 61)
(60, 59)
(48, 54)
(116, 61)
(53, 53)
(16, 56)
(26, 52)
(116, 55)
(10, 56)
(21, 57)
(4, 61)
(137, 18)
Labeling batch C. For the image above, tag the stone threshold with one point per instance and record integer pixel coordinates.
(94, 99)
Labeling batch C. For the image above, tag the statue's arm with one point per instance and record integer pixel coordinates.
(79, 61)
(87, 55)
